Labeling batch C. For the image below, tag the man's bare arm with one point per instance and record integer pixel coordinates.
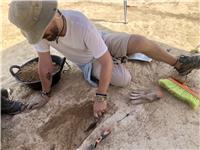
(100, 107)
(45, 69)
(106, 72)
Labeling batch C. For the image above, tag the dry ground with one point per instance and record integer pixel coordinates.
(166, 124)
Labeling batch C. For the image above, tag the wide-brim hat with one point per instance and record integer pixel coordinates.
(32, 17)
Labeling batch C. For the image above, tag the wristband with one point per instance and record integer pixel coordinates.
(101, 97)
(99, 94)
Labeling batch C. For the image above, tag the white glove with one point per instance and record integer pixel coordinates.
(151, 94)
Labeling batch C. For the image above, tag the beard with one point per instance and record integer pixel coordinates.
(54, 34)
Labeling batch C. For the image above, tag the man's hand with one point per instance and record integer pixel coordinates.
(38, 102)
(99, 108)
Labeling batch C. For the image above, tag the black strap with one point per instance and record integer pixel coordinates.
(99, 94)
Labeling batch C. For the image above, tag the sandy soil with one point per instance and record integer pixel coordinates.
(176, 24)
(60, 125)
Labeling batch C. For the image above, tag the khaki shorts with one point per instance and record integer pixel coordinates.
(117, 44)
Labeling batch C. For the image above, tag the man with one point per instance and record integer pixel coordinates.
(71, 33)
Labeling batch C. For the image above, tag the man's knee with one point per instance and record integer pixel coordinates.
(120, 75)
(121, 80)
(137, 44)
(136, 39)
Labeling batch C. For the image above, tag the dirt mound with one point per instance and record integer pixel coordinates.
(29, 72)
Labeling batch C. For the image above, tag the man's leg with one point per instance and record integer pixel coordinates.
(140, 44)
(120, 75)
(184, 64)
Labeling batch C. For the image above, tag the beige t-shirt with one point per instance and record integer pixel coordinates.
(81, 43)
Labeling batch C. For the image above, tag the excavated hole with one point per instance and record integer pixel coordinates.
(66, 129)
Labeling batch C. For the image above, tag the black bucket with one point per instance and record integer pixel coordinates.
(36, 85)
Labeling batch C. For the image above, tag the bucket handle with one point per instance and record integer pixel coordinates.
(11, 69)
(63, 62)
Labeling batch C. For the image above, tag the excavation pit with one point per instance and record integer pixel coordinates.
(66, 129)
